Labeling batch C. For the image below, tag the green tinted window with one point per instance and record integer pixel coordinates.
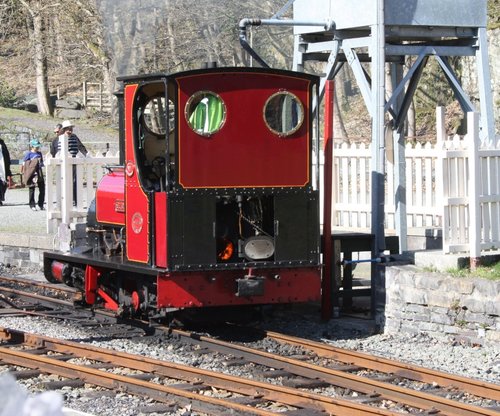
(205, 112)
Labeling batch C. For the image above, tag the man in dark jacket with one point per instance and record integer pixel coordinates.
(55, 146)
(5, 173)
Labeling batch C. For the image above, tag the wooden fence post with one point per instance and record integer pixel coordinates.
(66, 195)
(441, 168)
(100, 96)
(473, 144)
(85, 93)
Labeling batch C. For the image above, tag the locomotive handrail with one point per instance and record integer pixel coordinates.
(110, 168)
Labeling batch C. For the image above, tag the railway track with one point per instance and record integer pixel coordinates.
(376, 378)
(20, 296)
(164, 381)
(300, 383)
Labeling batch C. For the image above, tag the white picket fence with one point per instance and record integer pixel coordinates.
(470, 188)
(452, 184)
(59, 181)
(352, 181)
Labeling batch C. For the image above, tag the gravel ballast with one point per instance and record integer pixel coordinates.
(479, 362)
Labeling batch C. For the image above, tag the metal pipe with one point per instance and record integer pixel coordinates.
(382, 259)
(244, 23)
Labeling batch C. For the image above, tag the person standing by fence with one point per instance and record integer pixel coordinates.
(5, 173)
(33, 174)
(55, 146)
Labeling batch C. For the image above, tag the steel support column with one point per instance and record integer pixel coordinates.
(487, 122)
(378, 137)
(399, 161)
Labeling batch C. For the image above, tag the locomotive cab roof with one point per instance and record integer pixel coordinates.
(173, 75)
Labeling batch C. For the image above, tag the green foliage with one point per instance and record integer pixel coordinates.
(7, 95)
(491, 272)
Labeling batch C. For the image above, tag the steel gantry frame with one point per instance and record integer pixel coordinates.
(388, 31)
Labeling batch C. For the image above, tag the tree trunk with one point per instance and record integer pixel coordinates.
(339, 106)
(411, 116)
(412, 129)
(42, 85)
(339, 131)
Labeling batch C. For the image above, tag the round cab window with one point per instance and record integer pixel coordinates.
(205, 113)
(283, 113)
(155, 113)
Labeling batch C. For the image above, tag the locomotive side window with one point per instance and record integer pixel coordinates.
(283, 113)
(154, 115)
(205, 112)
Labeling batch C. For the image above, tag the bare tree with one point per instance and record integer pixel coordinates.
(341, 105)
(37, 13)
(90, 52)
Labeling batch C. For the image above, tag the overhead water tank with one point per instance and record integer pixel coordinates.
(360, 14)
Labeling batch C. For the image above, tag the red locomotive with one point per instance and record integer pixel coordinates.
(214, 202)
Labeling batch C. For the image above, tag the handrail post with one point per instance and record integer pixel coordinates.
(327, 281)
(66, 195)
(473, 144)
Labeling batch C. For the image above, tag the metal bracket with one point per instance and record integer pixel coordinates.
(253, 286)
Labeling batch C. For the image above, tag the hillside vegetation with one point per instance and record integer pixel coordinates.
(55, 45)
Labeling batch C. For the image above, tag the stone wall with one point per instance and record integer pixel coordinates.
(21, 257)
(24, 251)
(467, 310)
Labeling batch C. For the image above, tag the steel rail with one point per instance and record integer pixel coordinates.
(114, 381)
(476, 387)
(43, 300)
(102, 316)
(338, 378)
(76, 294)
(252, 388)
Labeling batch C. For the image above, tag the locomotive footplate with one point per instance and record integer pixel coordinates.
(99, 261)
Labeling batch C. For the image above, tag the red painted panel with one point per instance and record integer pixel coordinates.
(136, 201)
(110, 199)
(161, 229)
(244, 152)
(91, 277)
(201, 289)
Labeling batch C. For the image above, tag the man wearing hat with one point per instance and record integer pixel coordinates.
(33, 174)
(74, 143)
